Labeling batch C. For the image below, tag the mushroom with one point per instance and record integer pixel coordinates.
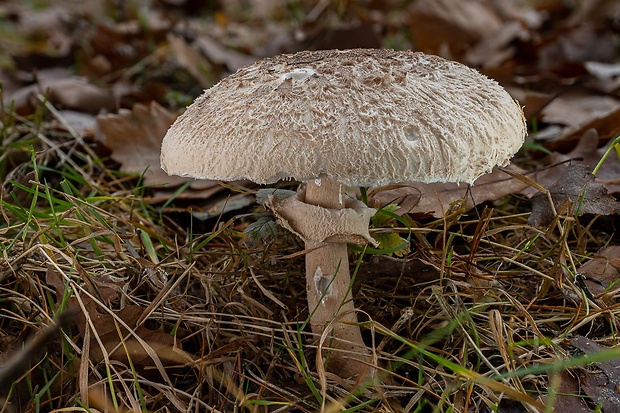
(336, 118)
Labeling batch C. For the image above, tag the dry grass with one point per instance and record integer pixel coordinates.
(171, 314)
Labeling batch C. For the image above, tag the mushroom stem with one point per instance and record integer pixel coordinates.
(328, 284)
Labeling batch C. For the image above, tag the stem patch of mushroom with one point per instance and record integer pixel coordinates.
(316, 224)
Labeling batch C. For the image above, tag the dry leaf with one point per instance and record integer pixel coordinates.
(217, 208)
(107, 328)
(107, 287)
(455, 24)
(191, 60)
(71, 93)
(575, 113)
(81, 123)
(606, 76)
(134, 137)
(593, 10)
(533, 101)
(258, 9)
(580, 44)
(525, 12)
(607, 126)
(601, 274)
(54, 279)
(358, 36)
(435, 199)
(577, 186)
(578, 108)
(494, 50)
(42, 20)
(588, 152)
(601, 385)
(200, 190)
(567, 397)
(603, 71)
(219, 54)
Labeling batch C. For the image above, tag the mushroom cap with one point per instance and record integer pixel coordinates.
(363, 117)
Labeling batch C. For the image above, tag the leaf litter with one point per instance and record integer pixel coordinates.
(189, 298)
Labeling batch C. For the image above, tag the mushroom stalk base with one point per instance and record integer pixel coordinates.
(328, 284)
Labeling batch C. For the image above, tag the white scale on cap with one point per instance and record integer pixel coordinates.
(298, 74)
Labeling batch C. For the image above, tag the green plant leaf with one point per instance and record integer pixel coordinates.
(383, 215)
(393, 242)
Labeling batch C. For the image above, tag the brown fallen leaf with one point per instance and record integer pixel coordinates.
(435, 199)
(191, 60)
(42, 21)
(576, 185)
(134, 137)
(603, 71)
(588, 152)
(18, 360)
(199, 190)
(494, 50)
(601, 385)
(558, 162)
(533, 101)
(451, 26)
(363, 35)
(79, 122)
(567, 394)
(119, 343)
(214, 208)
(565, 52)
(575, 114)
(258, 9)
(601, 274)
(54, 44)
(37, 20)
(219, 54)
(529, 13)
(606, 76)
(70, 93)
(105, 286)
(54, 279)
(593, 10)
(578, 107)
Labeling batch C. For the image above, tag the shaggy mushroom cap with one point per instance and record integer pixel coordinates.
(362, 117)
